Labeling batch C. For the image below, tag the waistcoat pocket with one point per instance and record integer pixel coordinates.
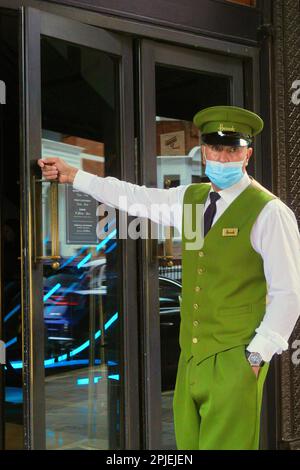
(239, 310)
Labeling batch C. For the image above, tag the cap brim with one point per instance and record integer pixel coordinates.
(232, 139)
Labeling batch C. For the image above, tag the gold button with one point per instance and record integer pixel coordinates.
(195, 340)
(200, 270)
(201, 254)
(195, 323)
(197, 289)
(195, 306)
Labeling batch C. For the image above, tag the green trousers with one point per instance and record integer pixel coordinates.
(217, 402)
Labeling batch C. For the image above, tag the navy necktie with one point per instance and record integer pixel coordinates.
(210, 211)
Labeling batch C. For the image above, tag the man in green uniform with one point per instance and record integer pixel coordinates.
(218, 392)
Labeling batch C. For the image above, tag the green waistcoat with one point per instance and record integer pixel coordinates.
(223, 284)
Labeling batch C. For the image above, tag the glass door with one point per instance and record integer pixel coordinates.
(176, 83)
(76, 323)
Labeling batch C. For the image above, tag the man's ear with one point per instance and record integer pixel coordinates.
(249, 153)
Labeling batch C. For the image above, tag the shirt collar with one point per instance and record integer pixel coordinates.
(229, 194)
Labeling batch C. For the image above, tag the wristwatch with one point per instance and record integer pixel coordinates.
(254, 359)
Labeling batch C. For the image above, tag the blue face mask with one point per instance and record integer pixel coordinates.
(224, 175)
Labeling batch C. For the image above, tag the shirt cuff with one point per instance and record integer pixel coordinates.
(266, 347)
(82, 181)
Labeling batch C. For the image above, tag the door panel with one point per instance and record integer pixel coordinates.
(80, 267)
(11, 390)
(75, 324)
(178, 82)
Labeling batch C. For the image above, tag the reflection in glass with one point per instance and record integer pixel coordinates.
(180, 93)
(81, 270)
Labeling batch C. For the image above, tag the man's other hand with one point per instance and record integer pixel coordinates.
(256, 370)
(54, 168)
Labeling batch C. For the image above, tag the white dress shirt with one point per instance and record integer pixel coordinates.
(274, 235)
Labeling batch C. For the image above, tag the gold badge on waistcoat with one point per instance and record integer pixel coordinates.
(230, 232)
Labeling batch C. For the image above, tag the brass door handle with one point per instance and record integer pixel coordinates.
(55, 256)
(168, 247)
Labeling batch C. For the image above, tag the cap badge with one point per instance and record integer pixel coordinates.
(223, 128)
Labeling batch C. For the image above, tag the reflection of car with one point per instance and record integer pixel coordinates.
(69, 297)
(67, 308)
(62, 304)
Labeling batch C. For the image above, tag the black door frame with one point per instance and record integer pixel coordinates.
(37, 23)
(2, 345)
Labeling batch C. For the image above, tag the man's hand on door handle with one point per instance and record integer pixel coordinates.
(54, 168)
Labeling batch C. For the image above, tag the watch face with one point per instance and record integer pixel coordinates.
(255, 359)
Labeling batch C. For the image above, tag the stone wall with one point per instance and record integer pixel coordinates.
(286, 140)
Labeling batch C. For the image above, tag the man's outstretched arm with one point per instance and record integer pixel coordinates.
(141, 201)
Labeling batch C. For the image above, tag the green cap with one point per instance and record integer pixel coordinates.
(226, 121)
